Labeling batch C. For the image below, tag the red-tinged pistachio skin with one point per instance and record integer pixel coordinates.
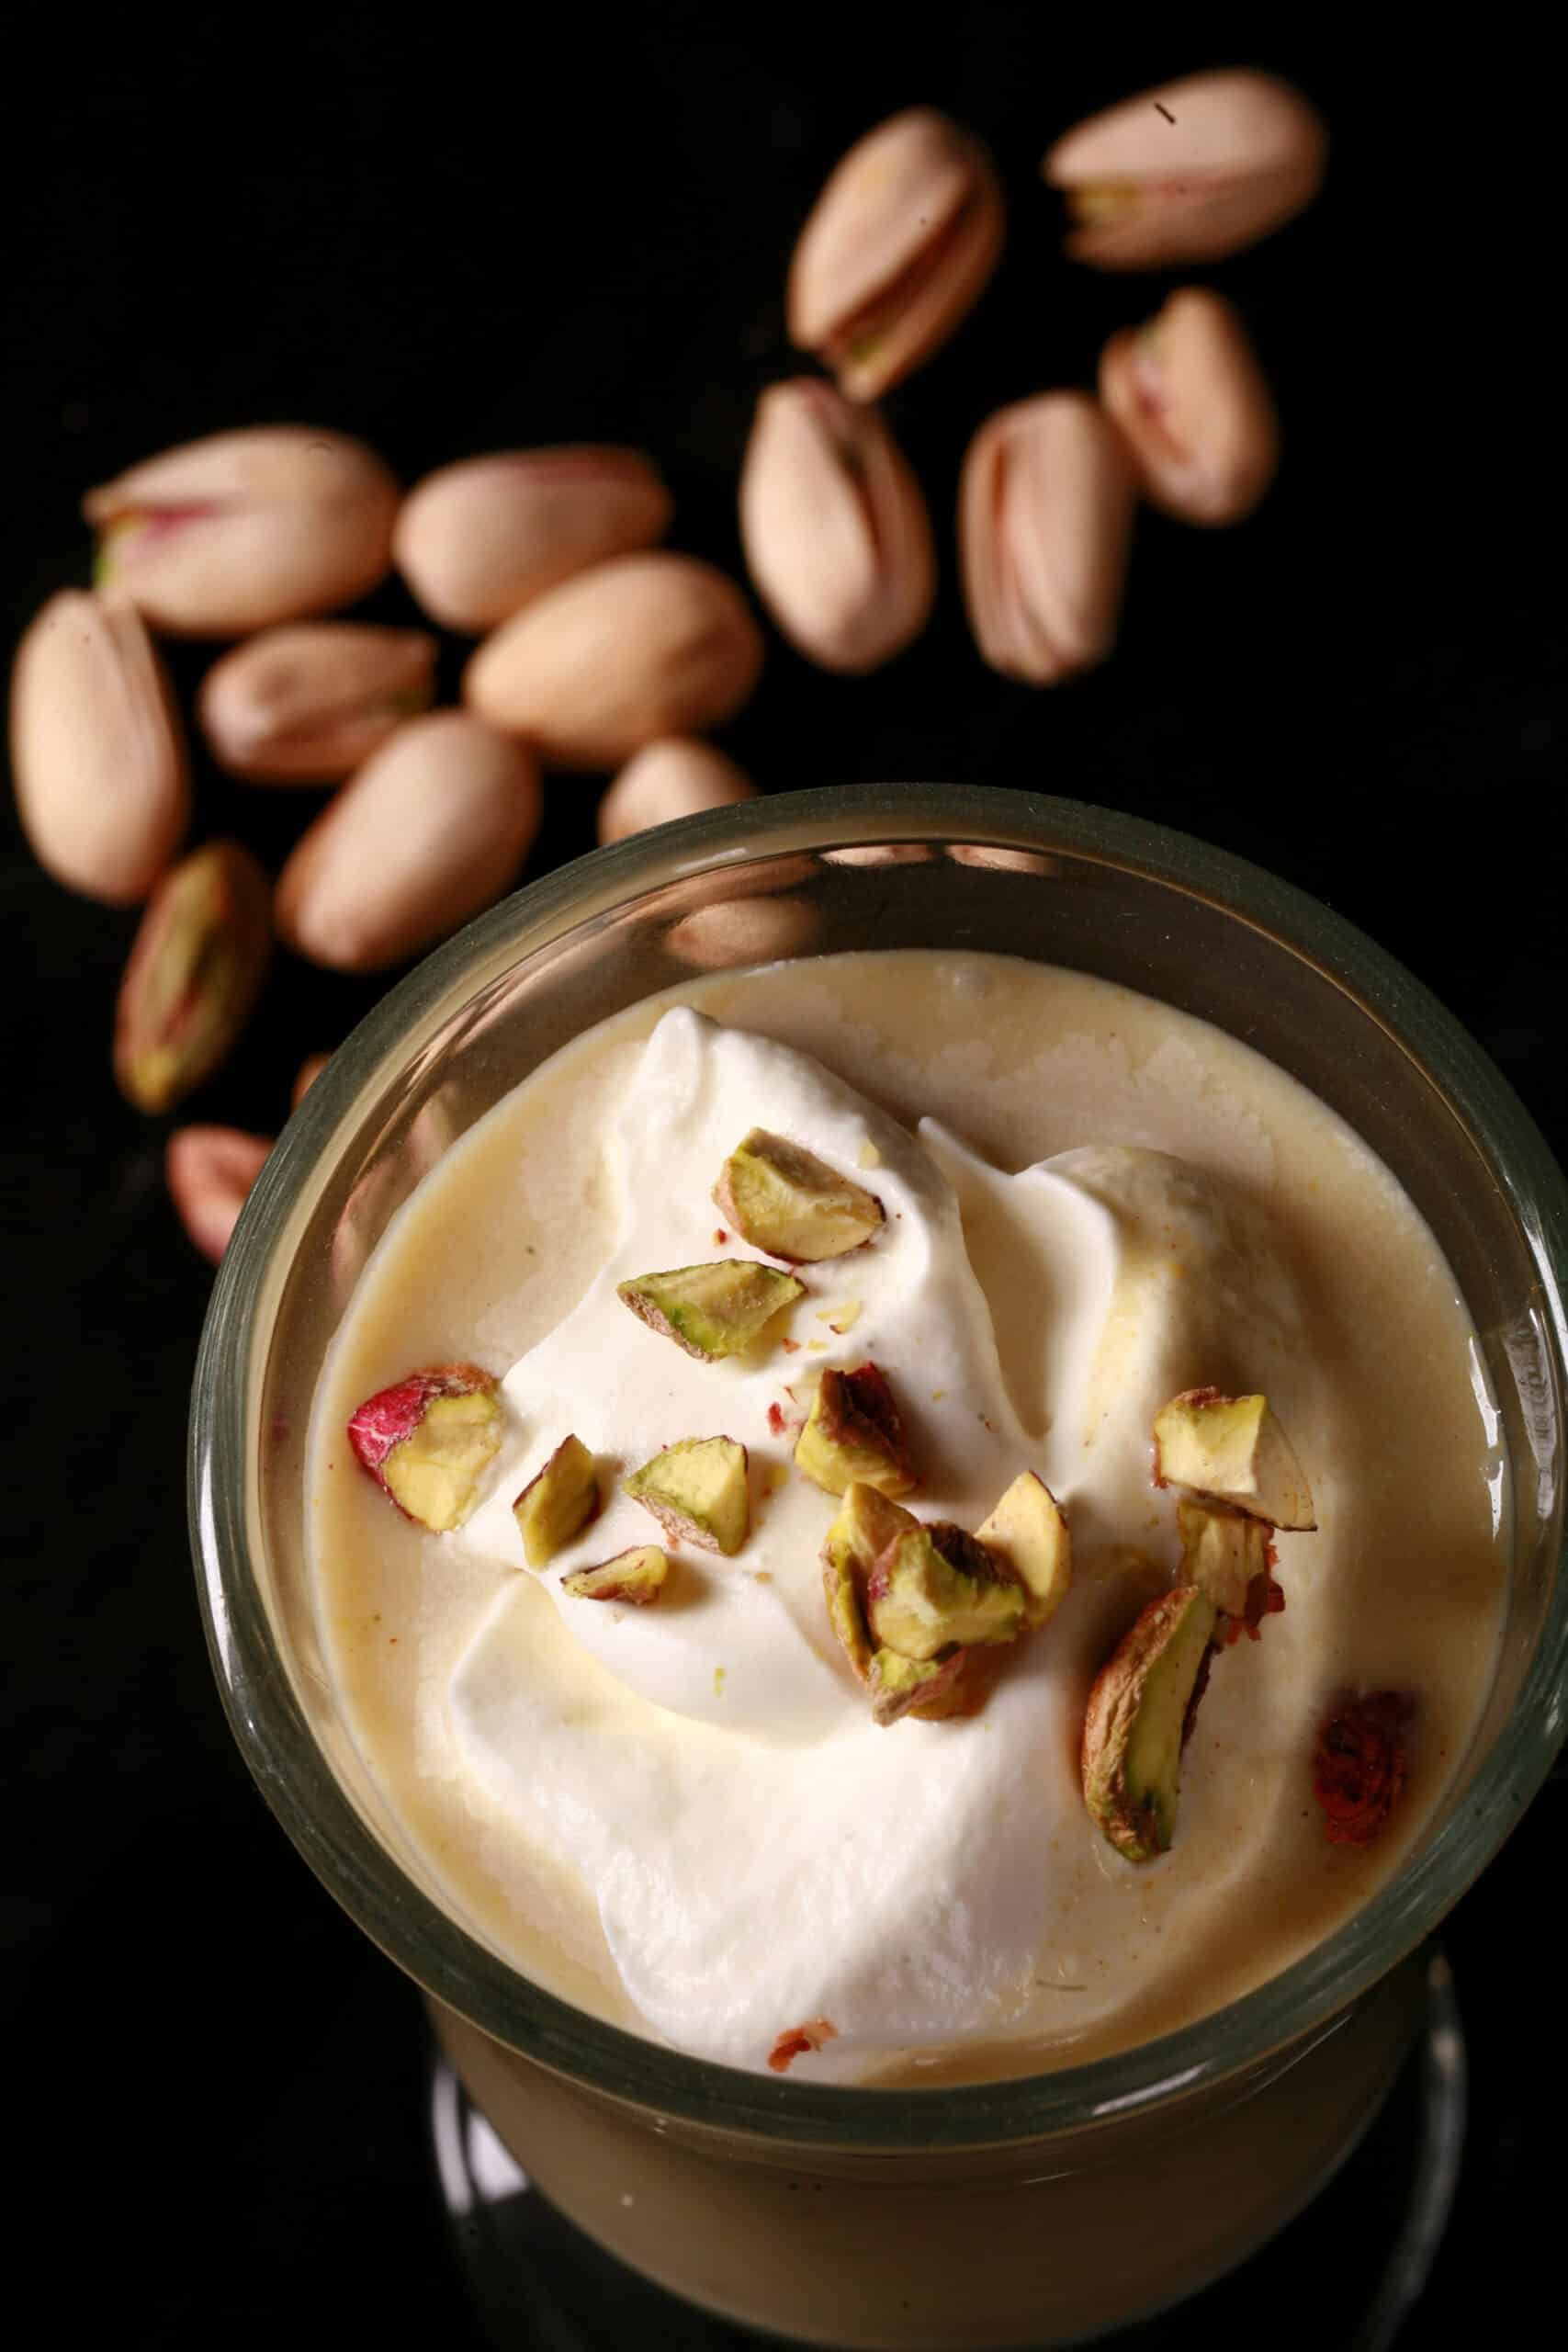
(196, 967)
(1191, 171)
(210, 1173)
(97, 749)
(431, 830)
(1045, 517)
(640, 647)
(1194, 409)
(306, 703)
(675, 777)
(478, 540)
(834, 524)
(242, 530)
(897, 249)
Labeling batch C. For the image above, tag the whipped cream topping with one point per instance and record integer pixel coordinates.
(760, 1852)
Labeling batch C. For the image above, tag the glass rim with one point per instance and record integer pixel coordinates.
(1300, 2001)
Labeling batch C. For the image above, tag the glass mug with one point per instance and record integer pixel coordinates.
(1044, 2208)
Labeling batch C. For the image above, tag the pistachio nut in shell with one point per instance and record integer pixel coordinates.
(306, 702)
(642, 646)
(196, 970)
(305, 1077)
(433, 828)
(210, 1173)
(1191, 171)
(276, 523)
(834, 526)
(476, 541)
(897, 250)
(676, 777)
(97, 751)
(1045, 516)
(734, 931)
(1193, 406)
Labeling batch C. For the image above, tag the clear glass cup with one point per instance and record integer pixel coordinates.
(1049, 2207)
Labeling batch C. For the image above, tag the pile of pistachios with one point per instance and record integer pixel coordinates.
(600, 649)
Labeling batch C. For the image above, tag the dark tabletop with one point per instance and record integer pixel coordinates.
(474, 235)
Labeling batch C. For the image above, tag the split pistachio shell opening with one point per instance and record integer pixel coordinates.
(895, 251)
(306, 702)
(1191, 171)
(1194, 409)
(279, 523)
(674, 778)
(196, 970)
(433, 828)
(478, 540)
(835, 528)
(97, 751)
(1045, 516)
(642, 646)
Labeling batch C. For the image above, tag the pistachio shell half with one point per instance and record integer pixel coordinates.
(674, 778)
(835, 528)
(1194, 408)
(306, 703)
(433, 826)
(233, 533)
(478, 540)
(897, 250)
(642, 646)
(1045, 514)
(1188, 172)
(97, 751)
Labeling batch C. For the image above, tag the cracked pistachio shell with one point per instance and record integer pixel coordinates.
(244, 529)
(835, 528)
(97, 751)
(478, 540)
(1194, 408)
(306, 702)
(196, 970)
(210, 1173)
(674, 778)
(432, 829)
(897, 250)
(1045, 516)
(1191, 171)
(642, 646)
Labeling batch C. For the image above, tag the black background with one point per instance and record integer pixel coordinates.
(462, 235)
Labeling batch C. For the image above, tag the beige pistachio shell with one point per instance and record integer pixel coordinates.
(678, 777)
(97, 751)
(308, 702)
(478, 540)
(244, 529)
(210, 1173)
(432, 829)
(197, 966)
(1194, 408)
(897, 250)
(642, 646)
(835, 528)
(1188, 172)
(1045, 514)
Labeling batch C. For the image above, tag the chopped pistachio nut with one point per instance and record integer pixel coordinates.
(715, 1310)
(637, 1577)
(1231, 1450)
(558, 1503)
(934, 1586)
(1028, 1531)
(696, 1489)
(785, 1200)
(931, 1688)
(1222, 1550)
(853, 1432)
(1140, 1712)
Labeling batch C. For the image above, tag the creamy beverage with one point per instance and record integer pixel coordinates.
(682, 1816)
